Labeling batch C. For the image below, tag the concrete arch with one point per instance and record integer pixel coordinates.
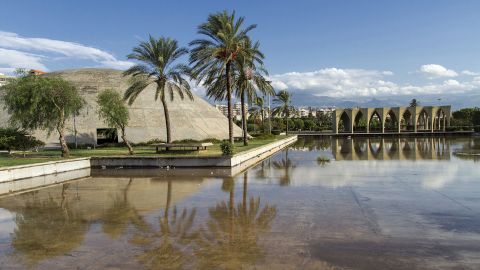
(392, 119)
(360, 122)
(376, 121)
(392, 123)
(423, 120)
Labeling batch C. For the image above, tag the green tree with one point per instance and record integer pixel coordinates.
(212, 57)
(257, 110)
(160, 68)
(299, 124)
(283, 99)
(114, 112)
(37, 102)
(414, 103)
(250, 79)
(309, 124)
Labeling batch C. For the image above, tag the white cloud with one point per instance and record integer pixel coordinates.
(470, 73)
(335, 82)
(434, 70)
(22, 52)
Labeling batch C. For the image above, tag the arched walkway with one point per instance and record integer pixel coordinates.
(406, 123)
(375, 124)
(360, 123)
(391, 122)
(423, 121)
(344, 123)
(439, 121)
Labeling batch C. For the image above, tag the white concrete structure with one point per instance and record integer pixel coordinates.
(195, 119)
(392, 119)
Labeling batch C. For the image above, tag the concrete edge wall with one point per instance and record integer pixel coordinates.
(27, 177)
(136, 161)
(40, 169)
(262, 152)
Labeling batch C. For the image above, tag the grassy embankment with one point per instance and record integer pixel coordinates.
(54, 155)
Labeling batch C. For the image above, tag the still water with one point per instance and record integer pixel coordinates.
(378, 204)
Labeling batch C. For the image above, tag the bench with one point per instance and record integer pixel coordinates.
(183, 146)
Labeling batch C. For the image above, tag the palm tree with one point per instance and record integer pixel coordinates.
(414, 103)
(213, 56)
(283, 99)
(257, 110)
(158, 68)
(251, 78)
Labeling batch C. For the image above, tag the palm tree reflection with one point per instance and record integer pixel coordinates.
(121, 214)
(286, 165)
(47, 228)
(165, 248)
(229, 239)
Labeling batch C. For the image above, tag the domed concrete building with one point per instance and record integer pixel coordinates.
(197, 119)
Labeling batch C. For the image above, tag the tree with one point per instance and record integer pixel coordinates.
(37, 102)
(250, 79)
(159, 68)
(299, 124)
(414, 103)
(257, 110)
(114, 112)
(212, 57)
(283, 108)
(309, 124)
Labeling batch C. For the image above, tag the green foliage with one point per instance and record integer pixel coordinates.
(227, 148)
(467, 118)
(299, 124)
(36, 102)
(112, 109)
(276, 132)
(310, 124)
(322, 160)
(414, 103)
(15, 139)
(159, 67)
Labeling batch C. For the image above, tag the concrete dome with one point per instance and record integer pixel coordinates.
(195, 119)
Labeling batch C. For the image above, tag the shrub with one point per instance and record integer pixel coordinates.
(322, 160)
(15, 139)
(276, 132)
(227, 148)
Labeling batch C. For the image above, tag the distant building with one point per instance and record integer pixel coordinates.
(4, 79)
(36, 72)
(236, 110)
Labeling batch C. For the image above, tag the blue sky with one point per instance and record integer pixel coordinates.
(334, 48)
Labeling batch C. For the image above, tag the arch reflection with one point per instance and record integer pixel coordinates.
(391, 149)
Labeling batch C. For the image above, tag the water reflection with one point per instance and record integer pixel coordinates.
(47, 227)
(229, 240)
(142, 212)
(377, 148)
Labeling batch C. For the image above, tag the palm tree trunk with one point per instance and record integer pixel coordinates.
(229, 104)
(167, 120)
(244, 120)
(286, 120)
(127, 143)
(263, 119)
(61, 132)
(245, 180)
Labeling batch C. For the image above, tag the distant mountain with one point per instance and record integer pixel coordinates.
(457, 101)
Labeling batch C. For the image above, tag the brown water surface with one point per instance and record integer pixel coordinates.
(377, 204)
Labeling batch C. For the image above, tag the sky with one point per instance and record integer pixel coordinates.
(343, 49)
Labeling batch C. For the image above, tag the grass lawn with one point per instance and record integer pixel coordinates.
(53, 155)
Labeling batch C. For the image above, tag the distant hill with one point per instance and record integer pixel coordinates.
(457, 101)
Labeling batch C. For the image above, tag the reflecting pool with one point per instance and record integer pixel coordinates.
(376, 204)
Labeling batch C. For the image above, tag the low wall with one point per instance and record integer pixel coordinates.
(25, 177)
(253, 155)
